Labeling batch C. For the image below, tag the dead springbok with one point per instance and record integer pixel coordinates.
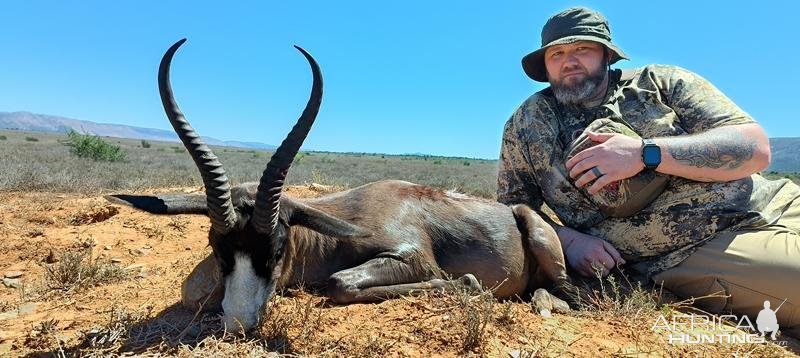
(370, 243)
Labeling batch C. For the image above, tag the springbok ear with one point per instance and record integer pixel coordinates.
(163, 203)
(322, 222)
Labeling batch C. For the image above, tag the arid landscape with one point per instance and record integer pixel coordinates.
(85, 277)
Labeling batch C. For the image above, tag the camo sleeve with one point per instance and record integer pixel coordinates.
(699, 105)
(515, 180)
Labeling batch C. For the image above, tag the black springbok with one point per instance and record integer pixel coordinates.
(370, 243)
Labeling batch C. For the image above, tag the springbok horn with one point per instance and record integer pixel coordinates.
(265, 213)
(218, 189)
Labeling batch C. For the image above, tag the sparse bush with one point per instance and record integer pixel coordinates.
(93, 147)
(2, 137)
(31, 139)
(466, 163)
(43, 335)
(476, 314)
(145, 144)
(113, 335)
(437, 162)
(299, 158)
(77, 270)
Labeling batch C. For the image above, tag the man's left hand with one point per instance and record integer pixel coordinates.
(616, 157)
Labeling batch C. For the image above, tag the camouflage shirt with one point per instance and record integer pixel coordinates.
(655, 101)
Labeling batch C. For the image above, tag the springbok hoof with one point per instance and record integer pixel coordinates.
(545, 303)
(470, 283)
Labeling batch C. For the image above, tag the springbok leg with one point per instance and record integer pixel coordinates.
(543, 244)
(203, 288)
(384, 278)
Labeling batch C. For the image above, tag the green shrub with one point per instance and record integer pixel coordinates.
(31, 139)
(466, 163)
(145, 144)
(93, 147)
(2, 137)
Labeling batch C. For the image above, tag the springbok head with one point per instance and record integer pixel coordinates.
(249, 236)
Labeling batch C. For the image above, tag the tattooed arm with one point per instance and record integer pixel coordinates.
(719, 154)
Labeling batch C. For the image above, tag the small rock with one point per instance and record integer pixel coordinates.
(515, 353)
(27, 308)
(140, 252)
(116, 260)
(135, 267)
(142, 274)
(12, 282)
(147, 247)
(106, 247)
(187, 248)
(4, 335)
(13, 274)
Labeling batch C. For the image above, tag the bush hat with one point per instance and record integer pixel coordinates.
(571, 25)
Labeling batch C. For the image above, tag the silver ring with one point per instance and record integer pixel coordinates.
(596, 172)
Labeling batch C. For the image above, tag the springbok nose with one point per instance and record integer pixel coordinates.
(237, 323)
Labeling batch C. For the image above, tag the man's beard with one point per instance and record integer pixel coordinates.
(580, 92)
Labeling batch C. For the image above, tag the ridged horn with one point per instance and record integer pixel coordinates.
(218, 189)
(267, 206)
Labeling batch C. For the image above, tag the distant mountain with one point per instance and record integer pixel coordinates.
(46, 123)
(785, 154)
(785, 151)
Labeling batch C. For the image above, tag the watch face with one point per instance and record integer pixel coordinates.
(651, 156)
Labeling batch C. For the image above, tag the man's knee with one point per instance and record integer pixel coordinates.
(203, 288)
(709, 293)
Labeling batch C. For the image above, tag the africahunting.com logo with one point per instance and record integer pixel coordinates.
(700, 329)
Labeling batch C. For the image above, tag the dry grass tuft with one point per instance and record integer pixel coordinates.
(43, 336)
(78, 270)
(475, 312)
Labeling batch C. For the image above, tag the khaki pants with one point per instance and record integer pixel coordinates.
(750, 266)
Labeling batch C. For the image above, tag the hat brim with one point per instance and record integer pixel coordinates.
(533, 63)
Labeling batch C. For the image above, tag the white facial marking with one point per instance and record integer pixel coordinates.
(245, 294)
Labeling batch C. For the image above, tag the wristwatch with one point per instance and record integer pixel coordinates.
(651, 154)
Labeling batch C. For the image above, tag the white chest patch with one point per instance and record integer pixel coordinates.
(245, 294)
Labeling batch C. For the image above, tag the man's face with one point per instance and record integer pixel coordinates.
(576, 70)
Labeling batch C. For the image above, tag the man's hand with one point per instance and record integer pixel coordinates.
(587, 254)
(616, 157)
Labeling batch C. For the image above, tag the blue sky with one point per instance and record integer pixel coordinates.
(437, 77)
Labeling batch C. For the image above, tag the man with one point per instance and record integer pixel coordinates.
(664, 179)
(767, 321)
